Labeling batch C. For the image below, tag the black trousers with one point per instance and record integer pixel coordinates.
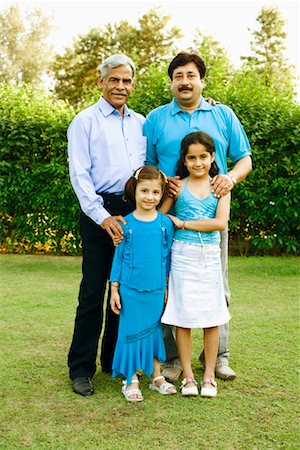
(97, 254)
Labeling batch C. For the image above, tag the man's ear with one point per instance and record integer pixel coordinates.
(100, 82)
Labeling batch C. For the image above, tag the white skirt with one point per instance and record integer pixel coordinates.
(196, 294)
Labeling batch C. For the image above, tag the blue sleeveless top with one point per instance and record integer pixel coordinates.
(189, 207)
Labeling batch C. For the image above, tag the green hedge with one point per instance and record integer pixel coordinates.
(265, 207)
(39, 210)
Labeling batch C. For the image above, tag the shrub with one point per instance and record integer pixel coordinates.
(265, 207)
(38, 207)
(39, 210)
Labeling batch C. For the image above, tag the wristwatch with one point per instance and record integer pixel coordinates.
(233, 179)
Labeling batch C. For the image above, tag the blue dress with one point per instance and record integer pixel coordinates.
(141, 264)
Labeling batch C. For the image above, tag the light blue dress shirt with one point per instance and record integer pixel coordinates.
(105, 148)
(166, 126)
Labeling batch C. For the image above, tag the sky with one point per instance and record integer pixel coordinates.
(229, 22)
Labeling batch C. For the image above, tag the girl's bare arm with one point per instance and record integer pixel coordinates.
(218, 223)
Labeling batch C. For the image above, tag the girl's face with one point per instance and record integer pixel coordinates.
(198, 160)
(148, 195)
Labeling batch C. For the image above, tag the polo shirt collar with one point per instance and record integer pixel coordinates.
(108, 109)
(175, 108)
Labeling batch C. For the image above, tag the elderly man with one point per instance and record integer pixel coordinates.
(105, 147)
(164, 128)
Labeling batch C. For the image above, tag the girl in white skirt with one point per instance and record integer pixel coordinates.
(196, 296)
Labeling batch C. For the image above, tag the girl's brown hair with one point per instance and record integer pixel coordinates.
(196, 137)
(142, 174)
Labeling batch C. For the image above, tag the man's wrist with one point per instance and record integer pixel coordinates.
(232, 177)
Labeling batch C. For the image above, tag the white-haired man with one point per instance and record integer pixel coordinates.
(105, 147)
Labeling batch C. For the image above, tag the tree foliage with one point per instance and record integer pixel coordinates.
(219, 69)
(24, 53)
(76, 71)
(152, 89)
(268, 46)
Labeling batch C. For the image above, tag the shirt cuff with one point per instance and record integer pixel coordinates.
(102, 214)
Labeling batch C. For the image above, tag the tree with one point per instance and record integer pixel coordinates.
(24, 53)
(268, 47)
(218, 66)
(77, 69)
(152, 89)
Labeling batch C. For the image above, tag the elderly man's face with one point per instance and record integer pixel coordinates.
(117, 86)
(187, 86)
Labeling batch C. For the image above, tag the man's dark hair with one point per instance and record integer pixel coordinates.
(184, 58)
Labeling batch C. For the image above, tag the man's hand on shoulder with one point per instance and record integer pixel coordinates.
(221, 185)
(174, 186)
(213, 102)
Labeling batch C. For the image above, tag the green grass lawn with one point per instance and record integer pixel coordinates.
(259, 410)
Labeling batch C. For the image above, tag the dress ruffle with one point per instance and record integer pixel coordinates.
(140, 338)
(137, 352)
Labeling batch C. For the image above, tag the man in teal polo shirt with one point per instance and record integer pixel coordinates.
(165, 127)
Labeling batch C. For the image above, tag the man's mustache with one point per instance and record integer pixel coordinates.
(185, 88)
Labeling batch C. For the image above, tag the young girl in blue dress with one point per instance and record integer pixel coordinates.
(138, 285)
(196, 297)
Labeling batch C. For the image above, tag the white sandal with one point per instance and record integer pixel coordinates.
(163, 388)
(129, 392)
(208, 391)
(189, 391)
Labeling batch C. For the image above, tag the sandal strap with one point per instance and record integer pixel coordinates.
(166, 385)
(133, 392)
(132, 381)
(160, 377)
(188, 380)
(209, 380)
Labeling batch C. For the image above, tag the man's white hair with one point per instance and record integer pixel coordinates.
(116, 60)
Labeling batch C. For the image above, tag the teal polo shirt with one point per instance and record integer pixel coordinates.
(166, 126)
